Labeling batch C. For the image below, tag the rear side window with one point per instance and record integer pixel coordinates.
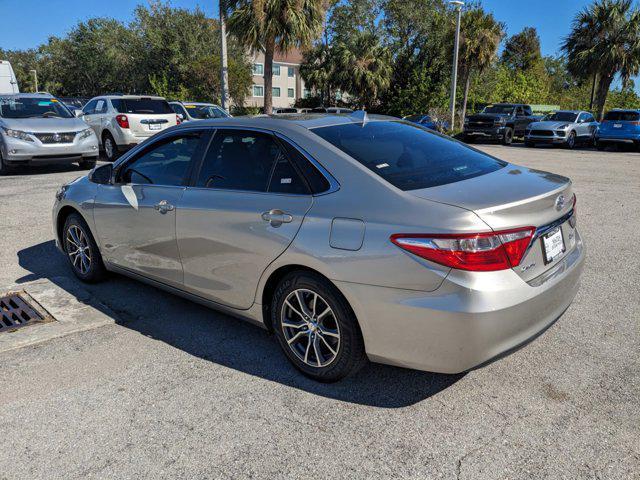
(623, 116)
(249, 161)
(408, 156)
(316, 180)
(141, 105)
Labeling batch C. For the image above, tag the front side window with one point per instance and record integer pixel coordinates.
(258, 69)
(408, 156)
(276, 91)
(90, 107)
(101, 106)
(32, 107)
(165, 163)
(258, 91)
(248, 161)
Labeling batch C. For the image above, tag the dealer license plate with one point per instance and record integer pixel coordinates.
(553, 245)
(155, 126)
(617, 125)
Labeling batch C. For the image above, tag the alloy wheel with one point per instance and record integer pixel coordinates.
(108, 148)
(78, 249)
(310, 328)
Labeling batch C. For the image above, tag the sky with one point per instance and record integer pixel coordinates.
(28, 23)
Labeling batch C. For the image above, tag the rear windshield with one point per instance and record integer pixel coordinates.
(141, 105)
(409, 156)
(623, 116)
(32, 107)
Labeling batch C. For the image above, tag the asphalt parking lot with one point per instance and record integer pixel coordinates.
(175, 390)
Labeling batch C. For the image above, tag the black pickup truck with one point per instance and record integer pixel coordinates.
(499, 121)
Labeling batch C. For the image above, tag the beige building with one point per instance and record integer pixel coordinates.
(288, 85)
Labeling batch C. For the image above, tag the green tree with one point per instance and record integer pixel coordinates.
(480, 37)
(270, 25)
(605, 42)
(318, 70)
(522, 51)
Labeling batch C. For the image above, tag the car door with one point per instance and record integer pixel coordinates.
(589, 125)
(135, 216)
(89, 116)
(244, 208)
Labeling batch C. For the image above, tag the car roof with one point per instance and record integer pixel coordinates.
(126, 97)
(27, 95)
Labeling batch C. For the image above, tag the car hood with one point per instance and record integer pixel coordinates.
(44, 125)
(548, 125)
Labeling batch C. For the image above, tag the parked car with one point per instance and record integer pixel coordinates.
(565, 127)
(501, 121)
(191, 111)
(331, 110)
(38, 129)
(428, 122)
(8, 82)
(278, 111)
(123, 121)
(451, 258)
(619, 127)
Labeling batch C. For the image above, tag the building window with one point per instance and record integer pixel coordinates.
(276, 70)
(258, 69)
(290, 72)
(258, 91)
(275, 91)
(291, 92)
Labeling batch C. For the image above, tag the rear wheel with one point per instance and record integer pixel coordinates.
(571, 141)
(316, 327)
(82, 251)
(507, 136)
(110, 147)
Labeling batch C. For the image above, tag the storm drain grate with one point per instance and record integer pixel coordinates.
(16, 312)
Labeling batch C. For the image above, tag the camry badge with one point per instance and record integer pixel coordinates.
(560, 202)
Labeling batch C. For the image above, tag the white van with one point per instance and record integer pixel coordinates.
(8, 82)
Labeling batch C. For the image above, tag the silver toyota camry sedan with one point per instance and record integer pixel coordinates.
(349, 237)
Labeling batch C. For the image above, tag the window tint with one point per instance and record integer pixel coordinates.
(90, 107)
(163, 164)
(408, 156)
(253, 161)
(623, 116)
(561, 117)
(101, 106)
(141, 105)
(316, 180)
(589, 118)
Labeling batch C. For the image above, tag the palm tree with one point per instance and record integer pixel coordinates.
(270, 25)
(318, 69)
(604, 42)
(480, 37)
(363, 67)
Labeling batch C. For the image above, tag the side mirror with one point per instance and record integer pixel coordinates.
(78, 113)
(181, 117)
(102, 174)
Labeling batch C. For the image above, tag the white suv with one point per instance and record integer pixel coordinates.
(123, 121)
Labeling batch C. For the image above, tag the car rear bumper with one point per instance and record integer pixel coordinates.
(617, 138)
(470, 320)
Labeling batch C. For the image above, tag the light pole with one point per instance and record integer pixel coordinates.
(35, 79)
(454, 76)
(224, 70)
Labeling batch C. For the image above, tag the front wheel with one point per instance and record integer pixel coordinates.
(529, 143)
(316, 328)
(82, 251)
(507, 136)
(571, 141)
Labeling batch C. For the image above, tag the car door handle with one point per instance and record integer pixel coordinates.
(276, 217)
(163, 207)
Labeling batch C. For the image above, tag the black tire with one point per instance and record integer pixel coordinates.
(110, 147)
(600, 146)
(468, 139)
(528, 143)
(571, 141)
(96, 270)
(349, 354)
(3, 167)
(87, 164)
(507, 136)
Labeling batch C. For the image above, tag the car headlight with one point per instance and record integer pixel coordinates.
(501, 120)
(60, 193)
(19, 134)
(86, 133)
(562, 127)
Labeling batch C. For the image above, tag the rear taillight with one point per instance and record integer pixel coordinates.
(482, 252)
(123, 121)
(178, 120)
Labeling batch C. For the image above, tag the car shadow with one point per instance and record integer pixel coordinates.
(26, 171)
(224, 340)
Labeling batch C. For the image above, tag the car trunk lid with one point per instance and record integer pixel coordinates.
(514, 197)
(142, 124)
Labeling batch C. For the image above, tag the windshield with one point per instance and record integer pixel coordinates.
(502, 109)
(202, 112)
(141, 105)
(622, 116)
(408, 156)
(32, 107)
(561, 117)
